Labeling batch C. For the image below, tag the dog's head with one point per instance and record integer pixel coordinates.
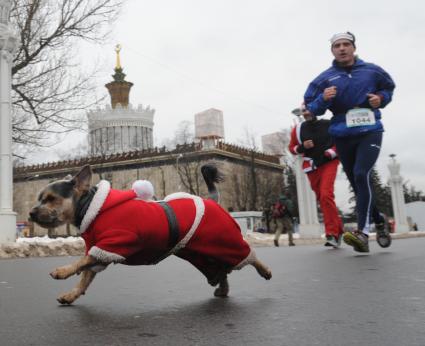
(57, 201)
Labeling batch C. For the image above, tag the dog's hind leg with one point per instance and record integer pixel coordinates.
(77, 267)
(87, 277)
(262, 269)
(223, 287)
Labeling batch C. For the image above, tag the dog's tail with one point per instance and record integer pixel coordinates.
(212, 176)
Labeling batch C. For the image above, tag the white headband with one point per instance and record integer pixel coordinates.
(340, 36)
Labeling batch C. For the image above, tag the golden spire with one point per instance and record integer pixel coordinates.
(117, 50)
(119, 88)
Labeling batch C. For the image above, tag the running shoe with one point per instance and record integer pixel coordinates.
(339, 240)
(358, 240)
(383, 237)
(331, 241)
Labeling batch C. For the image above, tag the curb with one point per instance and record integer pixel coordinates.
(266, 240)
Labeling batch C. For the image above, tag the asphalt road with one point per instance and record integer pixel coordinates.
(316, 297)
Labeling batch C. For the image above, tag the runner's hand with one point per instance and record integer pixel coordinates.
(329, 93)
(305, 112)
(328, 155)
(308, 144)
(374, 100)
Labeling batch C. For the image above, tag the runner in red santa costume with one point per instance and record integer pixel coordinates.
(310, 138)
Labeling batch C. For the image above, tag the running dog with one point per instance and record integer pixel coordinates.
(125, 227)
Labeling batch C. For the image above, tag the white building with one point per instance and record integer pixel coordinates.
(209, 127)
(275, 143)
(120, 129)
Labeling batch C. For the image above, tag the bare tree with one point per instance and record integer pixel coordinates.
(184, 134)
(269, 187)
(80, 150)
(189, 172)
(240, 188)
(255, 189)
(250, 142)
(162, 182)
(49, 89)
(187, 168)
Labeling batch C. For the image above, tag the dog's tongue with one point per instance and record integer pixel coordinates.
(116, 197)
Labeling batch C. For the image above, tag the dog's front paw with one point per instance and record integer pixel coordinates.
(62, 273)
(68, 298)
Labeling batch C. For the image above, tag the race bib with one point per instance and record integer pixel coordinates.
(360, 117)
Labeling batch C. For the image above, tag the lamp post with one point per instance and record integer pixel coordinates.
(8, 44)
(397, 196)
(309, 226)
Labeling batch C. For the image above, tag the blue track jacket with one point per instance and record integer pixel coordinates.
(352, 89)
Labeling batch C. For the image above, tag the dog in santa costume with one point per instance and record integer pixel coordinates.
(131, 228)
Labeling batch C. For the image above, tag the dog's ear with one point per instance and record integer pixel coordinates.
(82, 179)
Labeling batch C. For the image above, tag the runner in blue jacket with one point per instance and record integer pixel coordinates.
(354, 91)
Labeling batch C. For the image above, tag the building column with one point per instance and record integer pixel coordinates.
(309, 226)
(8, 44)
(397, 197)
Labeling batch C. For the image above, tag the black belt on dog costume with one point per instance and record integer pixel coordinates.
(173, 229)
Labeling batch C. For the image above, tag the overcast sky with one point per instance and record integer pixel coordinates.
(254, 59)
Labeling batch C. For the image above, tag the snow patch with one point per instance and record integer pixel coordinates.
(46, 239)
(43, 247)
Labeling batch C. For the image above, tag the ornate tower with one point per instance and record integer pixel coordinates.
(119, 128)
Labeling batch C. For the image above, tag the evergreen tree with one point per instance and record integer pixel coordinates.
(411, 194)
(382, 198)
(381, 193)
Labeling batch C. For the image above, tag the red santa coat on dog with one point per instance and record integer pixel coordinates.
(119, 228)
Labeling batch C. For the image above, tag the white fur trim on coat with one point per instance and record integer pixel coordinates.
(298, 133)
(200, 211)
(332, 153)
(248, 260)
(99, 198)
(105, 256)
(311, 166)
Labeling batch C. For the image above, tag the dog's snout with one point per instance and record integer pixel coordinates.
(33, 214)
